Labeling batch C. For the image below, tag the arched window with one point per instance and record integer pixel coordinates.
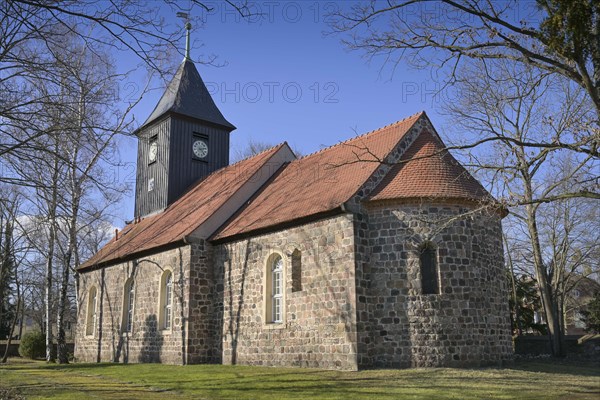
(296, 271)
(166, 300)
(91, 320)
(429, 269)
(275, 289)
(128, 301)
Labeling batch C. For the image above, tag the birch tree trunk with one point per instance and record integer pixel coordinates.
(52, 208)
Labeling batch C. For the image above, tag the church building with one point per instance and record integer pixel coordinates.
(380, 251)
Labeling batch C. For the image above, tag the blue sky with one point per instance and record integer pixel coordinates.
(284, 80)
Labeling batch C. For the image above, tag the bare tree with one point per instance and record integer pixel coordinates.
(65, 177)
(570, 234)
(31, 30)
(515, 104)
(8, 206)
(11, 295)
(92, 123)
(557, 37)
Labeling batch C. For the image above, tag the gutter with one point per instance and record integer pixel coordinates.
(341, 209)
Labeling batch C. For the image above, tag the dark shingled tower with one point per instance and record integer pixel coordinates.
(184, 139)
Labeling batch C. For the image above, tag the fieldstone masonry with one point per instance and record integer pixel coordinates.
(340, 319)
(467, 323)
(146, 342)
(319, 328)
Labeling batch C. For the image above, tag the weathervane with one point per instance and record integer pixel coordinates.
(188, 27)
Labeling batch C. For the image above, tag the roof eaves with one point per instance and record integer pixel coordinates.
(340, 209)
(131, 256)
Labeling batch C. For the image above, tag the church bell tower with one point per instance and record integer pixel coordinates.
(184, 139)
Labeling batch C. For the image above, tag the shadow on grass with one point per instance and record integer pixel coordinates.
(43, 365)
(86, 366)
(525, 380)
(557, 366)
(521, 380)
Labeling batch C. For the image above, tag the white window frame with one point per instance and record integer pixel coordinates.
(168, 301)
(277, 288)
(274, 292)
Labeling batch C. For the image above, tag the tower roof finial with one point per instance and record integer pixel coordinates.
(188, 28)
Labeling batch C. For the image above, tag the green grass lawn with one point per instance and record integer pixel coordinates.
(524, 380)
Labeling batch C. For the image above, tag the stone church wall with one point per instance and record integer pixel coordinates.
(467, 324)
(319, 319)
(146, 342)
(204, 323)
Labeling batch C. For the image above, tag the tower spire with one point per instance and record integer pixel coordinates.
(188, 27)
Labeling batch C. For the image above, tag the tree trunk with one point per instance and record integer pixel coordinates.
(516, 304)
(14, 323)
(22, 316)
(514, 291)
(62, 355)
(48, 299)
(52, 206)
(3, 267)
(548, 302)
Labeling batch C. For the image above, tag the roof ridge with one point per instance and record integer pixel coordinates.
(220, 170)
(362, 136)
(257, 154)
(241, 161)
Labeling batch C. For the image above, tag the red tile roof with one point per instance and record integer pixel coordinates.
(313, 185)
(427, 170)
(181, 218)
(319, 182)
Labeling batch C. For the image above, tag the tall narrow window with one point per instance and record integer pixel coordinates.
(128, 306)
(429, 270)
(277, 289)
(274, 293)
(90, 325)
(167, 291)
(296, 271)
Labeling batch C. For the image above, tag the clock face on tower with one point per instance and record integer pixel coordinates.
(200, 148)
